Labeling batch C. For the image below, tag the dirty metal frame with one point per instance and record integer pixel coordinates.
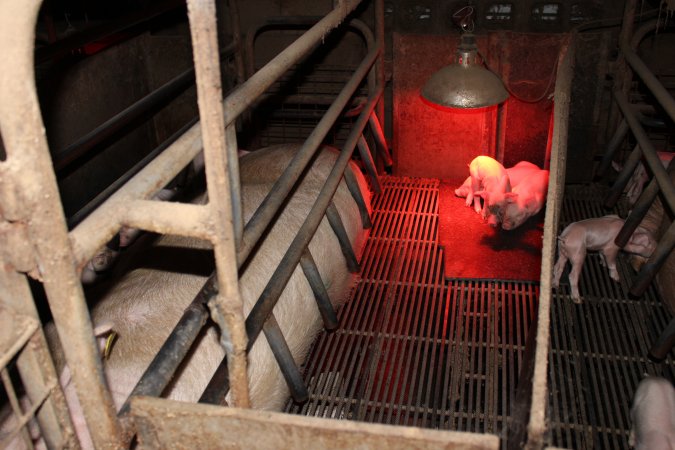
(532, 392)
(643, 150)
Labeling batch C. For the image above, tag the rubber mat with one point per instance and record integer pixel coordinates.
(473, 249)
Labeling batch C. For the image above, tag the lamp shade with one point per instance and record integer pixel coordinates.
(465, 83)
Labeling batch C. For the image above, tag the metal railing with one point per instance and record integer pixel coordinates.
(31, 208)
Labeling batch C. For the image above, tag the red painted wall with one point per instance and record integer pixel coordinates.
(432, 143)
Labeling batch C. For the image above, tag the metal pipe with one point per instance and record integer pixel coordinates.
(660, 349)
(612, 147)
(285, 360)
(107, 192)
(263, 307)
(382, 146)
(161, 370)
(653, 265)
(226, 308)
(244, 95)
(103, 223)
(357, 195)
(624, 177)
(313, 276)
(235, 185)
(640, 209)
(169, 218)
(151, 102)
(270, 205)
(367, 158)
(338, 227)
(638, 213)
(29, 168)
(648, 150)
(660, 93)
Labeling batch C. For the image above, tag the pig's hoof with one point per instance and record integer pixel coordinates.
(578, 300)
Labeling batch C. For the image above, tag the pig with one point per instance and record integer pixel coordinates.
(144, 306)
(653, 415)
(490, 181)
(516, 174)
(526, 199)
(596, 234)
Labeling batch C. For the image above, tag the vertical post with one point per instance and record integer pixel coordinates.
(28, 166)
(226, 308)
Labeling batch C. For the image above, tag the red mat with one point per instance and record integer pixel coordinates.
(473, 249)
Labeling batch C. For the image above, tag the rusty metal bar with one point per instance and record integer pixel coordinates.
(653, 265)
(660, 349)
(624, 177)
(537, 424)
(270, 205)
(313, 276)
(381, 141)
(367, 158)
(284, 358)
(168, 217)
(226, 307)
(103, 223)
(355, 190)
(263, 307)
(338, 227)
(36, 201)
(235, 186)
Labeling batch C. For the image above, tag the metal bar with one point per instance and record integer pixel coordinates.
(284, 358)
(338, 227)
(660, 349)
(653, 265)
(103, 223)
(613, 145)
(382, 146)
(313, 276)
(357, 195)
(235, 185)
(263, 307)
(367, 158)
(161, 370)
(107, 192)
(657, 89)
(235, 23)
(16, 409)
(168, 218)
(245, 94)
(640, 209)
(648, 150)
(112, 126)
(273, 201)
(28, 166)
(226, 308)
(624, 177)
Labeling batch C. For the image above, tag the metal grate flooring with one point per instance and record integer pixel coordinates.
(414, 348)
(598, 348)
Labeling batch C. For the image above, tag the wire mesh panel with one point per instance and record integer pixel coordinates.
(414, 348)
(599, 347)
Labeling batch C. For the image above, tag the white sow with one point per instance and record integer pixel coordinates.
(144, 306)
(653, 415)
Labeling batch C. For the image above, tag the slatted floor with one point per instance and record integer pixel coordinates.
(598, 348)
(412, 347)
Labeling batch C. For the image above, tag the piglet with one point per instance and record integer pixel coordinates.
(640, 177)
(653, 415)
(596, 234)
(526, 200)
(490, 181)
(516, 174)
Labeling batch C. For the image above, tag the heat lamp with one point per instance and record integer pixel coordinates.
(466, 83)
